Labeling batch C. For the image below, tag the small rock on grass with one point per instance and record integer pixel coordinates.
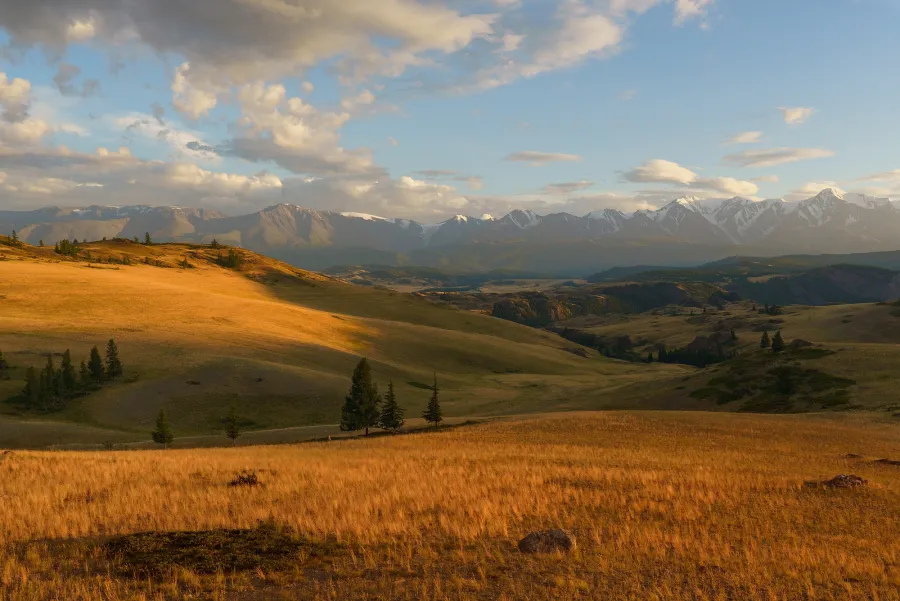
(845, 481)
(548, 541)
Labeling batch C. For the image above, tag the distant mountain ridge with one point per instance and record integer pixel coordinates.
(690, 230)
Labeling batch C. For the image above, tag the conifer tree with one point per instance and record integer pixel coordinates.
(136, 241)
(391, 413)
(163, 433)
(67, 375)
(4, 364)
(649, 356)
(232, 425)
(433, 413)
(32, 392)
(50, 381)
(361, 408)
(14, 238)
(113, 364)
(147, 240)
(777, 342)
(764, 341)
(41, 243)
(95, 366)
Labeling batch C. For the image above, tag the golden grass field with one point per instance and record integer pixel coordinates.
(277, 341)
(665, 506)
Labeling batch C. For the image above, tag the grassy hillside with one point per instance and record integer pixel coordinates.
(277, 341)
(850, 342)
(674, 506)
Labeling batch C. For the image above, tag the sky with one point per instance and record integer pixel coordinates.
(424, 109)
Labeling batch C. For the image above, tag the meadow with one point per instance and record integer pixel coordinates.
(667, 506)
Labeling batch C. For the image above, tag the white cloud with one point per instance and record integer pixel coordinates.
(308, 87)
(539, 159)
(184, 143)
(191, 176)
(686, 10)
(393, 141)
(885, 176)
(747, 137)
(296, 135)
(14, 97)
(769, 157)
(767, 179)
(80, 31)
(667, 172)
(568, 187)
(796, 115)
(189, 98)
(627, 95)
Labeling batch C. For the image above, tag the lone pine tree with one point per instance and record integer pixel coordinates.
(361, 408)
(764, 341)
(433, 413)
(232, 425)
(391, 413)
(163, 433)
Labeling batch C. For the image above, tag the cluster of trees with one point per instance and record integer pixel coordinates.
(14, 239)
(66, 248)
(365, 408)
(233, 260)
(770, 310)
(777, 342)
(696, 357)
(52, 387)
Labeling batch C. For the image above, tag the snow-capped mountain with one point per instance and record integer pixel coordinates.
(827, 222)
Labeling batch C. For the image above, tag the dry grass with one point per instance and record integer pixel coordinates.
(665, 506)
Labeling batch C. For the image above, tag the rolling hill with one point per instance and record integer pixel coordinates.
(277, 341)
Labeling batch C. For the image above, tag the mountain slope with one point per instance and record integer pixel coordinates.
(695, 231)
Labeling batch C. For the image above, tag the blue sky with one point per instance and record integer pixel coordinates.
(426, 109)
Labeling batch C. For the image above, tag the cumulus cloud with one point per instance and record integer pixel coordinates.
(667, 172)
(14, 98)
(191, 98)
(539, 159)
(295, 135)
(796, 115)
(747, 137)
(770, 157)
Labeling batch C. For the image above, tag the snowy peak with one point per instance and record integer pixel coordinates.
(523, 219)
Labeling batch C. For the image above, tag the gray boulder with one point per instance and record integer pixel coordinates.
(548, 541)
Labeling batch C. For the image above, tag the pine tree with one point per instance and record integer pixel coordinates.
(136, 241)
(764, 341)
(163, 433)
(361, 408)
(649, 356)
(14, 238)
(50, 380)
(147, 240)
(41, 243)
(777, 342)
(67, 375)
(214, 243)
(95, 366)
(84, 374)
(433, 413)
(232, 425)
(32, 392)
(391, 413)
(113, 364)
(4, 364)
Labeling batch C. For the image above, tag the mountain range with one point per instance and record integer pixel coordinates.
(686, 231)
